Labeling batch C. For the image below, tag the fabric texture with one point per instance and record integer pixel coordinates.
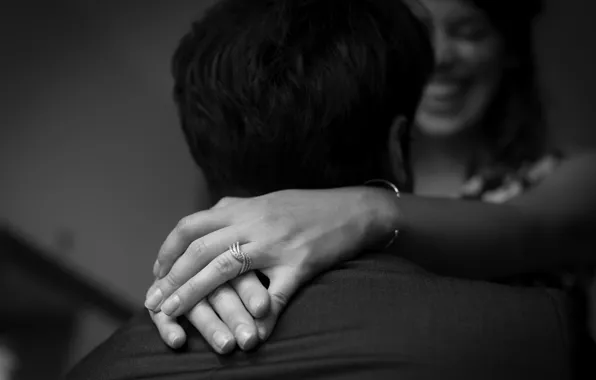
(378, 317)
(501, 184)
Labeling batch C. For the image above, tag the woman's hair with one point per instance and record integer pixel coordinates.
(514, 124)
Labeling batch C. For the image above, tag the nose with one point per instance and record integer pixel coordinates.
(444, 49)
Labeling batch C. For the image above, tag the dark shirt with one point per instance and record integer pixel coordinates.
(378, 317)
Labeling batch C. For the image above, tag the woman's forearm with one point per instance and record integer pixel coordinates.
(467, 238)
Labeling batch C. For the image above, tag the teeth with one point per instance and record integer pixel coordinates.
(441, 90)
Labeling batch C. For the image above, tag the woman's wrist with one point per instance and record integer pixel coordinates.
(383, 215)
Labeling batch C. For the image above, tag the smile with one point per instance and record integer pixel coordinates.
(445, 91)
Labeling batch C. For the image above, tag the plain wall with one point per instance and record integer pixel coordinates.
(92, 162)
(93, 166)
(566, 54)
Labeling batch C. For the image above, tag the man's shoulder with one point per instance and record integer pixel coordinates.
(114, 358)
(376, 314)
(378, 263)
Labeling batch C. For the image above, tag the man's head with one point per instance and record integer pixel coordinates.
(278, 94)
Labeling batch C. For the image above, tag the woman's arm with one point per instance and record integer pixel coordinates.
(291, 236)
(544, 229)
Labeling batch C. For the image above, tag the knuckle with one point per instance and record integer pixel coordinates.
(173, 280)
(274, 224)
(202, 304)
(280, 298)
(217, 296)
(197, 247)
(278, 222)
(224, 264)
(268, 213)
(190, 288)
(223, 202)
(200, 310)
(200, 314)
(183, 226)
(160, 319)
(249, 284)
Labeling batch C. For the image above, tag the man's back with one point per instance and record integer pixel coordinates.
(376, 317)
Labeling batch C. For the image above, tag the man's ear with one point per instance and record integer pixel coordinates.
(398, 139)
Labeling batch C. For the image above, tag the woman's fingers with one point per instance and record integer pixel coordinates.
(170, 331)
(253, 294)
(228, 305)
(220, 270)
(215, 332)
(187, 230)
(199, 254)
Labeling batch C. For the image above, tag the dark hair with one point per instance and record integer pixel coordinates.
(515, 124)
(277, 94)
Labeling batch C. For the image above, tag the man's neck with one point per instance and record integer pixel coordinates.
(441, 164)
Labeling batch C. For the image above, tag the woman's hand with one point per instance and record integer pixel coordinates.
(225, 318)
(290, 236)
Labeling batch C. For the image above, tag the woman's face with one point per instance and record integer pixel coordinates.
(469, 60)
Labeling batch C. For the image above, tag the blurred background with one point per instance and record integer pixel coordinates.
(94, 172)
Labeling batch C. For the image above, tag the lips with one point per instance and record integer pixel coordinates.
(445, 96)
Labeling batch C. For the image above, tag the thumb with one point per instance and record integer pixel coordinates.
(283, 284)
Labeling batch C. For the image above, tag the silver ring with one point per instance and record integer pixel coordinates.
(242, 258)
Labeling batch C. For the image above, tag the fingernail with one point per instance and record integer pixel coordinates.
(156, 268)
(154, 299)
(171, 304)
(149, 291)
(246, 339)
(256, 306)
(262, 331)
(221, 340)
(162, 272)
(175, 340)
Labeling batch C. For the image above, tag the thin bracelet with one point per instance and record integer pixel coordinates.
(389, 186)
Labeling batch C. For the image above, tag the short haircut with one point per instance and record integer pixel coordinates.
(279, 94)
